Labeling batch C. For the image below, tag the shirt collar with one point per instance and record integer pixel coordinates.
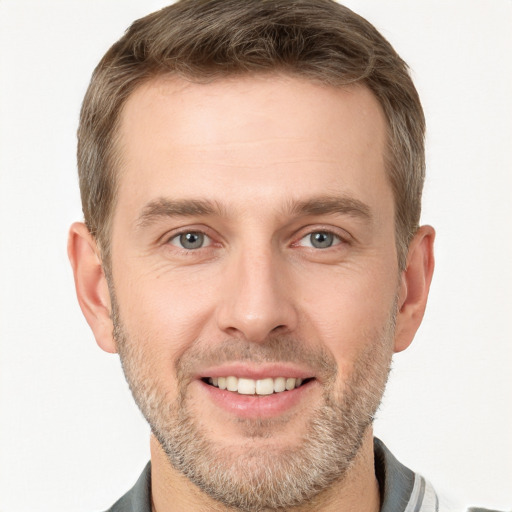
(396, 482)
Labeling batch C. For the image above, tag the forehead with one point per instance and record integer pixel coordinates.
(277, 137)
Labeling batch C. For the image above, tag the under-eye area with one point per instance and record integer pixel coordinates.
(268, 386)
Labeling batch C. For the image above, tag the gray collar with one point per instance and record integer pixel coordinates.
(395, 480)
(138, 498)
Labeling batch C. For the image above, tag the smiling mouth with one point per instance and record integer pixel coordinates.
(267, 386)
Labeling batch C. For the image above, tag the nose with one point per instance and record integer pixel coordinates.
(256, 297)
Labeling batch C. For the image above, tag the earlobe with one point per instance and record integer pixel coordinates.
(414, 287)
(91, 284)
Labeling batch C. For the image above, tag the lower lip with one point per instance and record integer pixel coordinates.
(257, 406)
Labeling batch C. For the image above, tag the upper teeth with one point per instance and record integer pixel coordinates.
(255, 387)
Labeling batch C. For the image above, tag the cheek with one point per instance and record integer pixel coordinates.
(348, 311)
(166, 314)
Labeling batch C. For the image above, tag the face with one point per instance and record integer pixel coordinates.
(254, 279)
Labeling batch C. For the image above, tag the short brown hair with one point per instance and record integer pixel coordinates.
(319, 40)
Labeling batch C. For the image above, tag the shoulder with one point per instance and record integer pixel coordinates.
(404, 490)
(138, 498)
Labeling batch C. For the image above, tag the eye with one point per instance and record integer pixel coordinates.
(190, 240)
(320, 240)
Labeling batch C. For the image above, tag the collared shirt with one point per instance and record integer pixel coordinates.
(401, 489)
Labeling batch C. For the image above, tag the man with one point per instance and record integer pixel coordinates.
(251, 177)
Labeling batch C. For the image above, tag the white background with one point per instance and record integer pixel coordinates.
(70, 437)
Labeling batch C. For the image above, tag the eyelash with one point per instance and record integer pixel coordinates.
(337, 239)
(177, 236)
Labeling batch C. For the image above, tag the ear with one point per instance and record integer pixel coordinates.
(91, 284)
(414, 287)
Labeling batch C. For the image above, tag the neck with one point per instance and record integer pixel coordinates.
(358, 492)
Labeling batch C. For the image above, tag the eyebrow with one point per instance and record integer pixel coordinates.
(163, 207)
(332, 205)
(323, 205)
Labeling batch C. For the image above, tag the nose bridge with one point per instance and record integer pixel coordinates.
(256, 301)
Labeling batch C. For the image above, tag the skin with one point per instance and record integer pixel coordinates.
(258, 149)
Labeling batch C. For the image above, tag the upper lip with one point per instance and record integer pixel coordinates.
(255, 372)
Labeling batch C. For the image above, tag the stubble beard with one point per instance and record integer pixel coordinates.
(274, 478)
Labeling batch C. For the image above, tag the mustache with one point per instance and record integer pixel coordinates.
(276, 349)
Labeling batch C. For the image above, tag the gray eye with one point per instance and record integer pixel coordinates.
(191, 240)
(321, 239)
